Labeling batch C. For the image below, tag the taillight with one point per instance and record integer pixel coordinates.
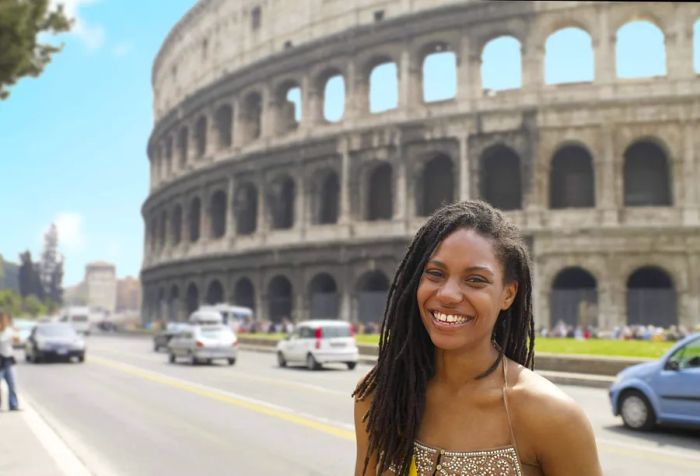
(319, 335)
(199, 344)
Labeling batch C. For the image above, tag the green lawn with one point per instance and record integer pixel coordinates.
(619, 348)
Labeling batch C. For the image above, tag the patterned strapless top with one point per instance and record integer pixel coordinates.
(433, 461)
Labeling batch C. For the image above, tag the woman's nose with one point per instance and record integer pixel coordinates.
(450, 292)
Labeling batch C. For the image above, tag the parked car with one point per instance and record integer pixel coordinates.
(205, 315)
(162, 338)
(666, 391)
(54, 339)
(319, 342)
(79, 318)
(204, 343)
(24, 329)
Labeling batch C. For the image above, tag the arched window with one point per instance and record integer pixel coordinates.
(334, 98)
(182, 146)
(647, 176)
(174, 304)
(279, 296)
(371, 290)
(224, 126)
(177, 225)
(324, 300)
(200, 135)
(640, 51)
(383, 87)
(571, 179)
(574, 298)
(217, 209)
(251, 119)
(163, 229)
(501, 64)
(328, 199)
(288, 105)
(568, 57)
(696, 46)
(192, 298)
(215, 293)
(436, 185)
(380, 204)
(439, 73)
(501, 184)
(244, 293)
(281, 203)
(651, 298)
(246, 208)
(195, 219)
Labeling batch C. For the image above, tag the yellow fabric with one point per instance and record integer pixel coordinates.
(413, 471)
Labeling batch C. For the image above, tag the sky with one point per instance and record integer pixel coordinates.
(73, 141)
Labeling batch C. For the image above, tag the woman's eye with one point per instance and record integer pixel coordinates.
(476, 280)
(433, 273)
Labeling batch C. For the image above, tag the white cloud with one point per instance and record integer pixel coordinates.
(122, 49)
(71, 237)
(92, 36)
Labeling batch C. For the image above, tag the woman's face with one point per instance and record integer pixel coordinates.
(461, 291)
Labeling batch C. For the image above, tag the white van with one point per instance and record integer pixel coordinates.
(233, 316)
(79, 318)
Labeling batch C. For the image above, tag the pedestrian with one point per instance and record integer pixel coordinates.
(453, 391)
(8, 337)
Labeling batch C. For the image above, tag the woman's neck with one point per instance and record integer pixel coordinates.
(460, 367)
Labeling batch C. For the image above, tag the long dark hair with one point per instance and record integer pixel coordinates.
(397, 383)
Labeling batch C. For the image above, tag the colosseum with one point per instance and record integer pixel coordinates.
(273, 203)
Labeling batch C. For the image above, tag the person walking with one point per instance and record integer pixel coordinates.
(8, 336)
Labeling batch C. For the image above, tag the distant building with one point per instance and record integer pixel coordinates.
(128, 294)
(101, 286)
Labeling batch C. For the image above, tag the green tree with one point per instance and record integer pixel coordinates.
(51, 268)
(33, 306)
(10, 301)
(21, 54)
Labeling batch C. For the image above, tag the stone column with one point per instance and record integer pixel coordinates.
(300, 217)
(464, 69)
(679, 46)
(409, 81)
(357, 92)
(231, 211)
(344, 217)
(533, 66)
(608, 184)
(312, 104)
(689, 178)
(262, 222)
(239, 126)
(401, 182)
(267, 113)
(604, 49)
(463, 168)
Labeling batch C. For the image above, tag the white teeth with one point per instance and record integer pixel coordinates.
(450, 318)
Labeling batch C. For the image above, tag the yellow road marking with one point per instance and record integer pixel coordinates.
(224, 397)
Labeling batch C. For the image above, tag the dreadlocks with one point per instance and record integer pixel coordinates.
(398, 381)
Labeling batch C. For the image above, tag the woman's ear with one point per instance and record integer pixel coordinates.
(509, 292)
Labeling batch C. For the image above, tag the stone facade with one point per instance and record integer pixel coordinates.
(310, 218)
(101, 287)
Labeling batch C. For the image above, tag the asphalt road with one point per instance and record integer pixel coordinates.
(126, 411)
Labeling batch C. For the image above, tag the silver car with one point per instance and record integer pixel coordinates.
(204, 343)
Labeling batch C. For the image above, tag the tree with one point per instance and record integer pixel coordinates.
(51, 270)
(10, 301)
(29, 278)
(20, 53)
(33, 306)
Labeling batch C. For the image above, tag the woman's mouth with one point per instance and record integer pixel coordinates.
(449, 321)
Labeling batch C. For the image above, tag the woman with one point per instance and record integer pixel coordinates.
(8, 337)
(453, 392)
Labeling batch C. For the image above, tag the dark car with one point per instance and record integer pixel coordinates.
(54, 340)
(162, 338)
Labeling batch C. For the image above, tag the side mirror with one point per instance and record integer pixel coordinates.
(672, 365)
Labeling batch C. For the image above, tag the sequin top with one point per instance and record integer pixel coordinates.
(429, 461)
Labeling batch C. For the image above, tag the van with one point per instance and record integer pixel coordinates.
(79, 318)
(236, 317)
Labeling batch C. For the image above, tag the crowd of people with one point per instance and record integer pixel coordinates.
(627, 332)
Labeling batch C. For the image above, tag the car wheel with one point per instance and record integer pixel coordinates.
(281, 361)
(231, 361)
(171, 358)
(636, 411)
(351, 365)
(81, 358)
(311, 363)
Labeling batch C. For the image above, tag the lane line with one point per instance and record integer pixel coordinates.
(66, 460)
(340, 430)
(643, 452)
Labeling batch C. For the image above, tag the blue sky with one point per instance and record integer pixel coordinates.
(73, 141)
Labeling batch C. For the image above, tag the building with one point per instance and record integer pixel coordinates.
(128, 294)
(101, 287)
(309, 217)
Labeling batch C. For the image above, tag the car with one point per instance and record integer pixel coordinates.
(24, 329)
(204, 343)
(162, 338)
(54, 339)
(666, 391)
(79, 318)
(237, 317)
(206, 315)
(318, 342)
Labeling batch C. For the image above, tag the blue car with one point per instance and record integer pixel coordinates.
(666, 391)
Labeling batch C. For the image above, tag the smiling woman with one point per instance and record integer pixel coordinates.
(453, 391)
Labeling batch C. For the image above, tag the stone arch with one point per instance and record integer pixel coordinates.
(161, 305)
(217, 212)
(571, 178)
(215, 292)
(168, 155)
(174, 303)
(380, 200)
(282, 193)
(244, 293)
(501, 64)
(162, 229)
(224, 126)
(324, 299)
(251, 116)
(383, 84)
(176, 225)
(182, 146)
(331, 86)
(372, 290)
(631, 46)
(439, 72)
(651, 298)
(195, 219)
(280, 299)
(574, 298)
(569, 56)
(435, 186)
(288, 104)
(200, 136)
(192, 298)
(326, 197)
(647, 174)
(500, 177)
(246, 209)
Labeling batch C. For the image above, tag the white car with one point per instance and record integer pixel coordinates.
(319, 342)
(204, 343)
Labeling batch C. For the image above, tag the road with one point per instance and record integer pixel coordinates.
(126, 411)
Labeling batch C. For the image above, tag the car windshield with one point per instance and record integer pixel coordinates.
(56, 331)
(336, 331)
(215, 332)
